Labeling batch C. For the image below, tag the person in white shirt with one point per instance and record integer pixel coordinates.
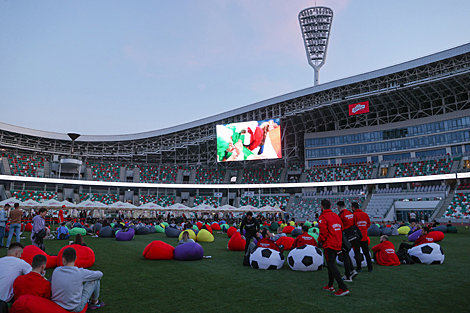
(11, 266)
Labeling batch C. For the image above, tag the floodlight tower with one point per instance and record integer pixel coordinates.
(315, 24)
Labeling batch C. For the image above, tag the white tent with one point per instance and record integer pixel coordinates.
(247, 208)
(68, 204)
(227, 208)
(10, 201)
(203, 208)
(151, 206)
(177, 207)
(91, 205)
(52, 203)
(30, 203)
(122, 206)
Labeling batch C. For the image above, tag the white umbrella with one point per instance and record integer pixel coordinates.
(247, 208)
(203, 208)
(30, 203)
(178, 207)
(91, 204)
(121, 205)
(52, 203)
(227, 208)
(68, 204)
(152, 206)
(10, 201)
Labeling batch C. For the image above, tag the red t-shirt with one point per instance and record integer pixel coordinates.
(385, 254)
(423, 239)
(302, 240)
(331, 230)
(268, 243)
(362, 221)
(347, 218)
(256, 137)
(32, 284)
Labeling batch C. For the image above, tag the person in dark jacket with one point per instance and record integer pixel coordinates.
(251, 226)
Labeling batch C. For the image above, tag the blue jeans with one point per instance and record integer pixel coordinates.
(91, 290)
(14, 228)
(2, 234)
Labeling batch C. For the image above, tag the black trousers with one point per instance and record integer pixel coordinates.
(405, 246)
(248, 240)
(333, 272)
(357, 254)
(348, 268)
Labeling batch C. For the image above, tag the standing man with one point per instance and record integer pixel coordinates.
(412, 217)
(251, 226)
(3, 222)
(39, 223)
(362, 221)
(331, 237)
(15, 223)
(347, 218)
(11, 267)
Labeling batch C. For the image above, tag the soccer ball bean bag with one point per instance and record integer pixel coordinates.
(125, 235)
(236, 243)
(159, 229)
(28, 227)
(404, 230)
(159, 250)
(151, 229)
(224, 227)
(29, 252)
(192, 234)
(305, 258)
(296, 232)
(205, 236)
(232, 230)
(97, 227)
(386, 231)
(441, 228)
(142, 231)
(288, 229)
(340, 259)
(307, 223)
(171, 232)
(266, 259)
(414, 235)
(106, 232)
(436, 235)
(189, 251)
(452, 229)
(286, 242)
(85, 256)
(215, 226)
(35, 304)
(77, 230)
(373, 230)
(428, 253)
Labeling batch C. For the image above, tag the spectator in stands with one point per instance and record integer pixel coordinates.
(79, 240)
(348, 221)
(251, 226)
(384, 253)
(304, 239)
(63, 232)
(67, 286)
(34, 282)
(185, 238)
(362, 221)
(3, 222)
(38, 233)
(15, 223)
(11, 267)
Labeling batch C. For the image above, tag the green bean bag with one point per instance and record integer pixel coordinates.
(165, 224)
(195, 227)
(77, 230)
(314, 234)
(224, 227)
(404, 230)
(452, 229)
(112, 225)
(159, 229)
(307, 223)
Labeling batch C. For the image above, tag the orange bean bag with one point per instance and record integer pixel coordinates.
(232, 230)
(286, 242)
(288, 229)
(85, 256)
(236, 243)
(159, 250)
(28, 227)
(35, 304)
(29, 252)
(215, 226)
(436, 235)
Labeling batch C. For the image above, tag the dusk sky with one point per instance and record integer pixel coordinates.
(119, 67)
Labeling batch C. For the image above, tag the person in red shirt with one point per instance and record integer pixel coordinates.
(384, 253)
(348, 221)
(33, 283)
(331, 238)
(304, 239)
(362, 221)
(266, 241)
(424, 238)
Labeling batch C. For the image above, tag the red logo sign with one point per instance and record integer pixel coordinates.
(359, 108)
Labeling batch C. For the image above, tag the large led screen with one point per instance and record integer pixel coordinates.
(253, 140)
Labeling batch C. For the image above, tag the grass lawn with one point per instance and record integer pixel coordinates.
(222, 284)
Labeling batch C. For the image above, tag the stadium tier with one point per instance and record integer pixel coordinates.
(307, 207)
(210, 201)
(420, 168)
(163, 201)
(209, 176)
(262, 176)
(263, 200)
(105, 172)
(339, 173)
(98, 197)
(26, 165)
(156, 174)
(38, 196)
(459, 207)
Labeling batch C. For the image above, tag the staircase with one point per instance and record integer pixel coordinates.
(76, 198)
(228, 175)
(123, 174)
(391, 171)
(136, 178)
(240, 176)
(456, 165)
(375, 172)
(6, 166)
(290, 202)
(179, 178)
(366, 201)
(440, 210)
(192, 176)
(303, 177)
(60, 196)
(283, 175)
(191, 201)
(47, 169)
(89, 176)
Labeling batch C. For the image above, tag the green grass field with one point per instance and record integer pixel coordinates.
(222, 284)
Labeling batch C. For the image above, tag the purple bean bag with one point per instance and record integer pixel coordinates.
(125, 235)
(414, 235)
(189, 251)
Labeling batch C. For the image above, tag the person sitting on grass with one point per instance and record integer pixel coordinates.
(79, 240)
(11, 266)
(63, 232)
(185, 238)
(67, 286)
(34, 282)
(384, 253)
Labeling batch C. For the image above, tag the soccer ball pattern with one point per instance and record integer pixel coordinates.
(340, 261)
(266, 259)
(305, 258)
(428, 253)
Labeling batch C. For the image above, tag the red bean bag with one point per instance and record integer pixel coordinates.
(209, 228)
(236, 243)
(85, 256)
(232, 230)
(29, 252)
(199, 225)
(288, 229)
(28, 227)
(436, 235)
(159, 250)
(215, 226)
(286, 242)
(35, 304)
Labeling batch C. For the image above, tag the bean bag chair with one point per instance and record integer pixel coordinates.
(232, 230)
(403, 230)
(189, 251)
(452, 229)
(307, 223)
(266, 259)
(441, 228)
(296, 232)
(112, 225)
(373, 230)
(151, 229)
(85, 256)
(195, 227)
(414, 235)
(133, 226)
(159, 229)
(236, 243)
(215, 226)
(35, 304)
(125, 235)
(305, 258)
(286, 242)
(199, 225)
(118, 226)
(192, 234)
(222, 222)
(142, 231)
(97, 227)
(196, 231)
(159, 250)
(205, 236)
(224, 227)
(106, 232)
(29, 252)
(274, 227)
(340, 260)
(88, 229)
(428, 253)
(436, 235)
(386, 231)
(314, 232)
(77, 230)
(171, 232)
(288, 229)
(28, 227)
(292, 223)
